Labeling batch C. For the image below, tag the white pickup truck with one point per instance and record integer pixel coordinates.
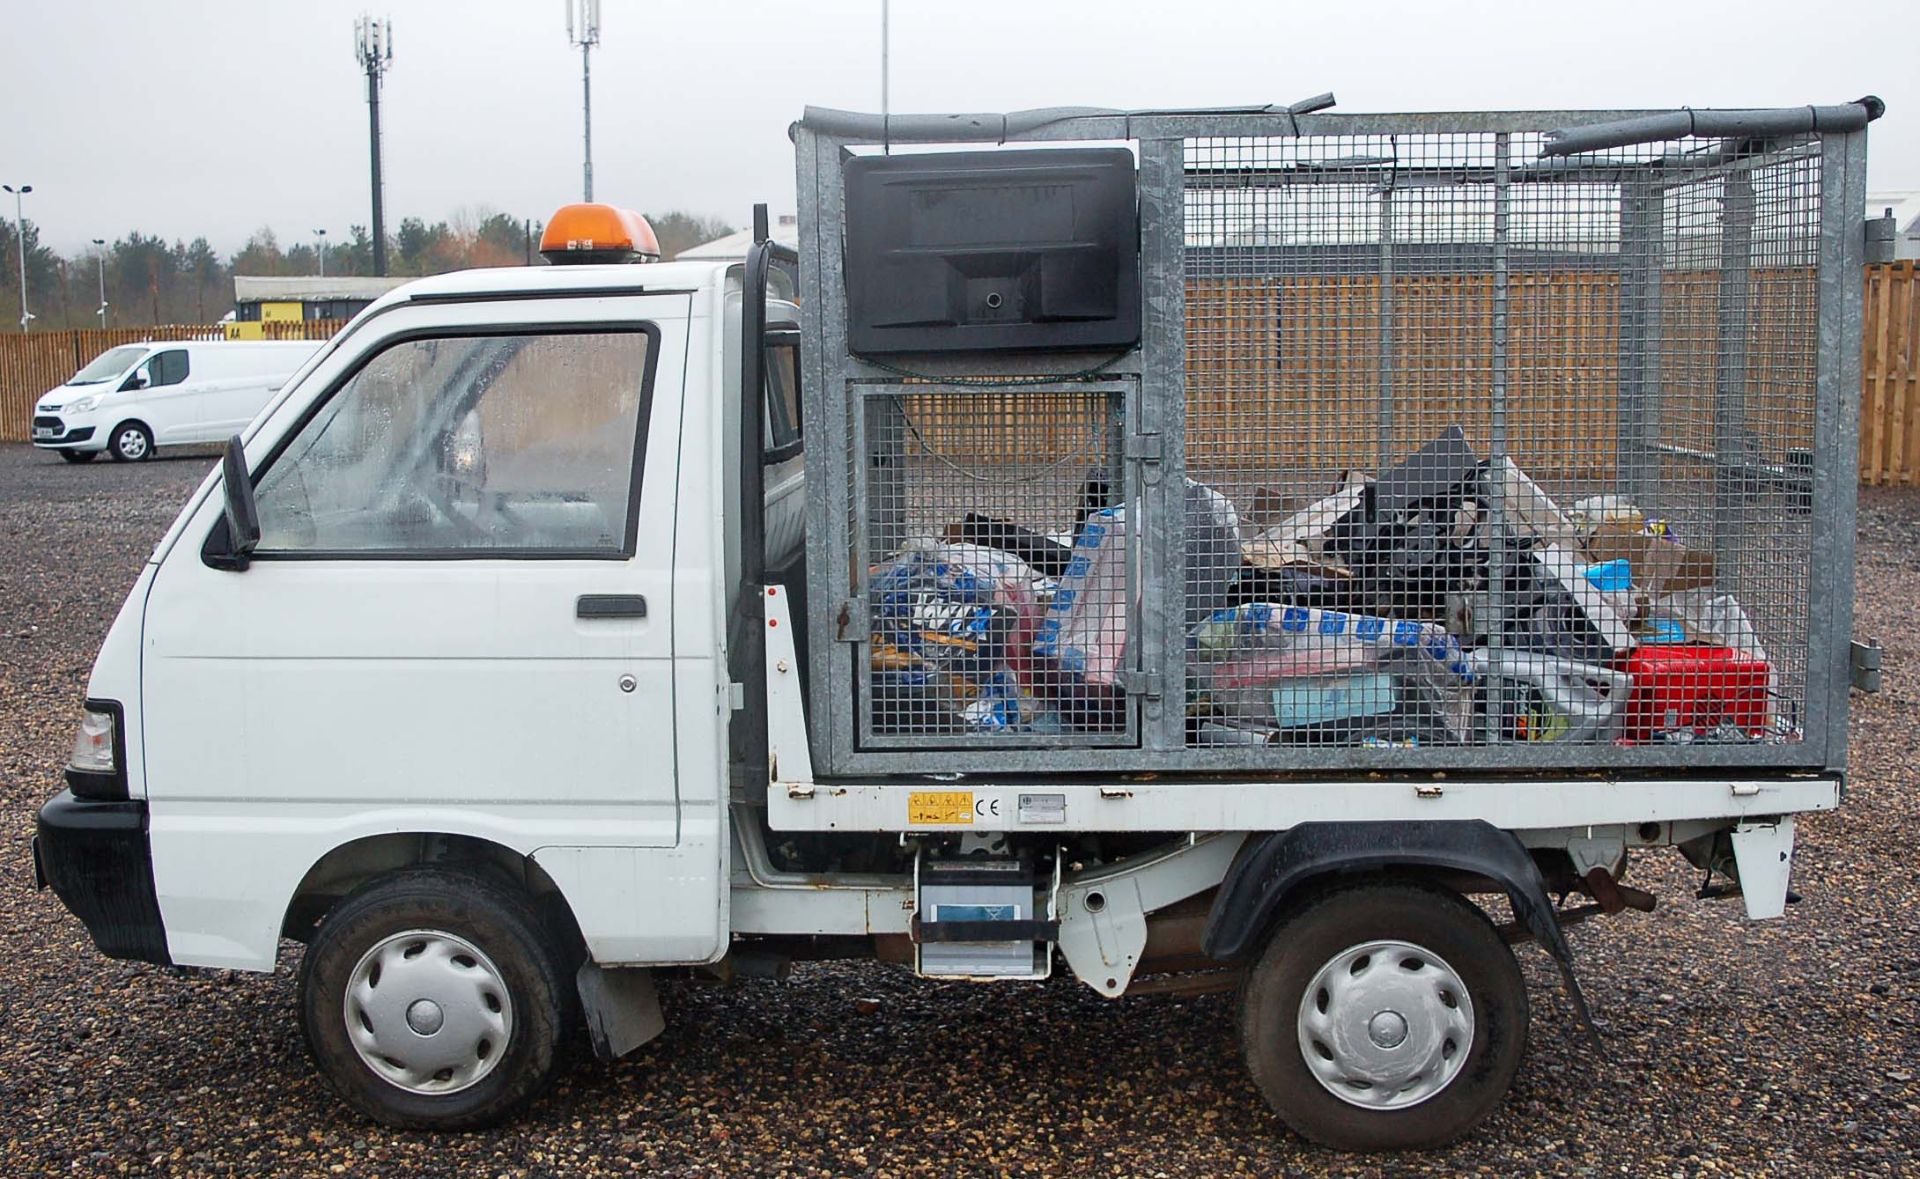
(474, 669)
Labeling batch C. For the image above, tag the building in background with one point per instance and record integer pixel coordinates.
(258, 302)
(785, 230)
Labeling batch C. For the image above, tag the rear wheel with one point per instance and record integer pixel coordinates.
(431, 1000)
(130, 442)
(1384, 1017)
(79, 456)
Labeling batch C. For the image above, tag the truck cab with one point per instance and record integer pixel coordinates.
(494, 536)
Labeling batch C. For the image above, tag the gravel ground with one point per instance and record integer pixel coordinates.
(1789, 1047)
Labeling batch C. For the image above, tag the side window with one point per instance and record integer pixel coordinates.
(508, 445)
(783, 398)
(166, 368)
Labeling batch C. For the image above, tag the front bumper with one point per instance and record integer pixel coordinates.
(96, 858)
(53, 431)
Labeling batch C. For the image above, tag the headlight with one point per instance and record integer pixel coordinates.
(83, 404)
(93, 744)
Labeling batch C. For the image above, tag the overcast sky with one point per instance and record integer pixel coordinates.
(217, 117)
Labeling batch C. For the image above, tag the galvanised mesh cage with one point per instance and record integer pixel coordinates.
(1439, 449)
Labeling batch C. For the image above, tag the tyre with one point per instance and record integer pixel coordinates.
(130, 442)
(1386, 1016)
(431, 1000)
(79, 456)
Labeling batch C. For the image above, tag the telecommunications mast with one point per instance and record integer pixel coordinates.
(583, 29)
(373, 44)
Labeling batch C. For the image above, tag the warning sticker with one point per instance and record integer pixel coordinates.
(940, 808)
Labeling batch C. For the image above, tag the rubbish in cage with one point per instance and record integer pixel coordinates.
(1589, 514)
(1285, 667)
(1556, 699)
(1213, 550)
(953, 629)
(1660, 564)
(1531, 510)
(1301, 538)
(1085, 631)
(1411, 538)
(1434, 472)
(1081, 644)
(1297, 585)
(1698, 691)
(1047, 556)
(1563, 613)
(1706, 617)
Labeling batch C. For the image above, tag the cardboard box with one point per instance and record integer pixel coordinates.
(1660, 566)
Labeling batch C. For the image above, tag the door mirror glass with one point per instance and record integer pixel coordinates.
(780, 366)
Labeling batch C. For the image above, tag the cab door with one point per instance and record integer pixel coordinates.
(459, 615)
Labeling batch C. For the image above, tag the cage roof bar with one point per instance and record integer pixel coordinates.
(1715, 124)
(1578, 131)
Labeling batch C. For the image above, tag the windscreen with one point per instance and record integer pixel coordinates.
(109, 364)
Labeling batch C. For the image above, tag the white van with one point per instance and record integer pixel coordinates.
(138, 397)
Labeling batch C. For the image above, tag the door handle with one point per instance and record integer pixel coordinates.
(610, 606)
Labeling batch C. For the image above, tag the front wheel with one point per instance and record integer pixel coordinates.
(430, 1000)
(79, 456)
(1384, 1017)
(130, 442)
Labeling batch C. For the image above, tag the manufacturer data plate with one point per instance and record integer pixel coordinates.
(1043, 808)
(940, 808)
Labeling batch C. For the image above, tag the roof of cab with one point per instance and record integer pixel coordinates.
(544, 280)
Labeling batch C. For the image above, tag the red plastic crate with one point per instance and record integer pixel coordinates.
(1695, 688)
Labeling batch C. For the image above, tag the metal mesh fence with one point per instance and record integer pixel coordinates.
(1483, 458)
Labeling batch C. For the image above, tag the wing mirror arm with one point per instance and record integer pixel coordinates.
(231, 545)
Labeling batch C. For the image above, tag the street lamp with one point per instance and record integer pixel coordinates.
(20, 240)
(320, 249)
(100, 255)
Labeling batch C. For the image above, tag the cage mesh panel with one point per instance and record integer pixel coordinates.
(1443, 384)
(976, 500)
(1657, 311)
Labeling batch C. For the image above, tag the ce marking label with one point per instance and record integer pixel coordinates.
(987, 808)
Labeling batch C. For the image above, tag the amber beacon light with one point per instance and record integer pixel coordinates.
(598, 233)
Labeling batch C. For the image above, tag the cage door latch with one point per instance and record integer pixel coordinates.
(1145, 449)
(850, 622)
(1865, 665)
(1883, 238)
(1142, 683)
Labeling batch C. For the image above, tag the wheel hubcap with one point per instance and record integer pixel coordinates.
(1385, 1025)
(133, 444)
(426, 1017)
(428, 1012)
(1387, 1029)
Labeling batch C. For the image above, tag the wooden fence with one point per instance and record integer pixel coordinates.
(35, 362)
(1563, 369)
(1890, 377)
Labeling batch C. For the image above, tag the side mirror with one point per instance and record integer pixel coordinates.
(134, 381)
(229, 547)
